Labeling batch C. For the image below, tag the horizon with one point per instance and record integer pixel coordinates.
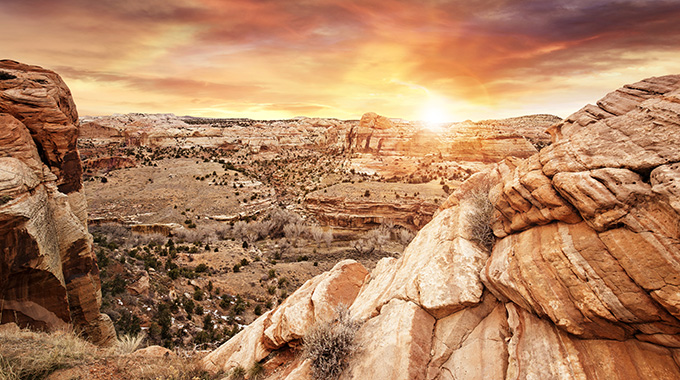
(439, 61)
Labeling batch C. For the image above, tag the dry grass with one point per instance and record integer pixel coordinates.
(480, 218)
(128, 344)
(32, 355)
(36, 355)
(330, 344)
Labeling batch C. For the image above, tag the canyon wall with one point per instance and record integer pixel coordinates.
(48, 271)
(581, 281)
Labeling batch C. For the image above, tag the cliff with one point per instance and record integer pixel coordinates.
(581, 281)
(48, 270)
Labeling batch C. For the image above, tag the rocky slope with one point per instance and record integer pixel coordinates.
(48, 273)
(581, 283)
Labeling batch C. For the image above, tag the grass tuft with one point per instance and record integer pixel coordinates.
(128, 344)
(34, 355)
(330, 344)
(480, 218)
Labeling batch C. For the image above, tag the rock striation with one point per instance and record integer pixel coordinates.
(48, 271)
(581, 283)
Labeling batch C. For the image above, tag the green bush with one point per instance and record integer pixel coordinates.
(329, 345)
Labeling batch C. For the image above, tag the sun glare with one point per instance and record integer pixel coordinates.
(434, 113)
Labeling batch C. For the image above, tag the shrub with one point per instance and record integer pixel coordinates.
(329, 345)
(200, 268)
(480, 217)
(256, 371)
(238, 373)
(128, 344)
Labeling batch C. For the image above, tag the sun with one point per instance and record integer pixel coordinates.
(434, 113)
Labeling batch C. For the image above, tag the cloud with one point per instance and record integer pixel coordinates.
(292, 56)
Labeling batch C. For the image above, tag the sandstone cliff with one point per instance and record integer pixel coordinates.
(581, 283)
(48, 272)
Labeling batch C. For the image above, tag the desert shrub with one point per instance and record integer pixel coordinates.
(480, 218)
(200, 268)
(256, 371)
(329, 345)
(371, 241)
(114, 286)
(405, 236)
(238, 373)
(127, 344)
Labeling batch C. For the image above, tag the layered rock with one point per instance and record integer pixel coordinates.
(48, 273)
(582, 282)
(485, 141)
(346, 212)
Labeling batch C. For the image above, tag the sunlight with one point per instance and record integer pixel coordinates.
(435, 113)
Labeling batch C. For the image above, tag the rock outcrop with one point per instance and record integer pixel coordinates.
(581, 283)
(346, 212)
(48, 271)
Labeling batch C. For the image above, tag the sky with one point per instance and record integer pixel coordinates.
(434, 60)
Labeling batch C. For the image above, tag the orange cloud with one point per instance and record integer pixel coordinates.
(278, 59)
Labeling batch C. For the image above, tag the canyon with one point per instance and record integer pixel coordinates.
(471, 250)
(580, 282)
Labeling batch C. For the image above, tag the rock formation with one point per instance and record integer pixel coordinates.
(347, 212)
(581, 283)
(48, 271)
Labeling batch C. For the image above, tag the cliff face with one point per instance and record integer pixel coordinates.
(48, 272)
(582, 282)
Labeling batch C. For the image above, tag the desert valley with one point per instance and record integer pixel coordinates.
(531, 247)
(339, 190)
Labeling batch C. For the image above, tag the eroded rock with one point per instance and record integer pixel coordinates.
(48, 273)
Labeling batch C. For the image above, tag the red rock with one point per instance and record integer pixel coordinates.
(48, 273)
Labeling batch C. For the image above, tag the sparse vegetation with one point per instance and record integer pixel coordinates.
(480, 217)
(329, 345)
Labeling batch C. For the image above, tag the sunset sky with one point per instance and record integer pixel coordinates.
(266, 59)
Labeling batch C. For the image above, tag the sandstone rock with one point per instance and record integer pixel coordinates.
(483, 354)
(313, 302)
(344, 212)
(539, 350)
(439, 270)
(244, 349)
(48, 273)
(451, 332)
(102, 165)
(395, 345)
(583, 281)
(141, 286)
(153, 352)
